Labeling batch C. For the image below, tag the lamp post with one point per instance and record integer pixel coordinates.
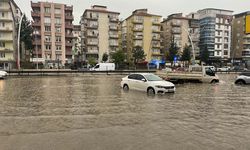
(18, 42)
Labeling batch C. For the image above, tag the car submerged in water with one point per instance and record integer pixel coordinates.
(148, 82)
(3, 74)
(243, 78)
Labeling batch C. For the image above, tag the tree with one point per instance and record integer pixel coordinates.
(118, 57)
(92, 61)
(138, 54)
(186, 55)
(173, 51)
(205, 55)
(105, 57)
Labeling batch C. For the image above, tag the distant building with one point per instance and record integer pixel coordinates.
(10, 15)
(215, 33)
(142, 29)
(175, 28)
(241, 38)
(52, 38)
(99, 28)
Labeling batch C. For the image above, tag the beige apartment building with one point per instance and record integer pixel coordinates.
(52, 38)
(175, 28)
(142, 29)
(241, 38)
(99, 32)
(9, 16)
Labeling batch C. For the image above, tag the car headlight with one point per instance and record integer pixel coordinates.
(159, 86)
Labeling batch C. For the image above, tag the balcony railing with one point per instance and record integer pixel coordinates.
(33, 5)
(113, 19)
(138, 29)
(69, 26)
(69, 17)
(6, 29)
(69, 8)
(35, 14)
(36, 23)
(69, 35)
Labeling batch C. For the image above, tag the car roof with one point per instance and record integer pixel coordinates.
(142, 73)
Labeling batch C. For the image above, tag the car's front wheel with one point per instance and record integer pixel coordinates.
(240, 82)
(125, 87)
(151, 91)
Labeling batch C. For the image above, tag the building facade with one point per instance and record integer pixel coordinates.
(52, 38)
(142, 29)
(215, 33)
(241, 39)
(175, 29)
(99, 32)
(10, 15)
(77, 46)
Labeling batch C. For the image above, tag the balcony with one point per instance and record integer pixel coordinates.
(138, 37)
(113, 28)
(69, 17)
(69, 8)
(39, 51)
(68, 52)
(138, 21)
(156, 31)
(9, 19)
(35, 14)
(35, 5)
(174, 31)
(138, 29)
(156, 23)
(156, 45)
(92, 26)
(36, 42)
(246, 53)
(69, 26)
(157, 53)
(113, 36)
(113, 19)
(92, 51)
(155, 38)
(69, 35)
(113, 44)
(92, 43)
(91, 18)
(36, 24)
(6, 29)
(176, 24)
(68, 44)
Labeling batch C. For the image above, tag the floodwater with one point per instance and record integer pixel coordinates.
(94, 113)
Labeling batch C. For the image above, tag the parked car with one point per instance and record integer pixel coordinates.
(239, 68)
(225, 68)
(243, 78)
(3, 74)
(148, 82)
(103, 67)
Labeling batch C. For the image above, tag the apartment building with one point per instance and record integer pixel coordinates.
(215, 33)
(142, 29)
(77, 46)
(9, 17)
(241, 38)
(175, 28)
(99, 32)
(52, 38)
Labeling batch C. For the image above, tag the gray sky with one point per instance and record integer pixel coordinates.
(159, 7)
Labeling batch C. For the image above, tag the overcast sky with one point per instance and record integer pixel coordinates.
(158, 7)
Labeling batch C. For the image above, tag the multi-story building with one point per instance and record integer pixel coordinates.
(241, 38)
(9, 18)
(175, 29)
(52, 38)
(142, 29)
(215, 33)
(99, 32)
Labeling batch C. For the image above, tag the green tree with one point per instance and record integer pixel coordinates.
(138, 54)
(186, 55)
(26, 33)
(204, 55)
(118, 57)
(91, 61)
(105, 57)
(173, 51)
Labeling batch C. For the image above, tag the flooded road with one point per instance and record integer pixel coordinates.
(94, 113)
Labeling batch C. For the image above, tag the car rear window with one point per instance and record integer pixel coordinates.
(245, 74)
(132, 76)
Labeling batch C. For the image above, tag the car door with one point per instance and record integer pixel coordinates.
(141, 82)
(132, 81)
(248, 78)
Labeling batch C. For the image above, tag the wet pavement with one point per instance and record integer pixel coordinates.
(94, 113)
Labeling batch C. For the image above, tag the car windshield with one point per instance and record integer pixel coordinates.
(151, 77)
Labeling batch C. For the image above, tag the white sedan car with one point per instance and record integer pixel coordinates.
(147, 82)
(3, 74)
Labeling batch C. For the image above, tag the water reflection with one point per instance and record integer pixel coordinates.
(89, 109)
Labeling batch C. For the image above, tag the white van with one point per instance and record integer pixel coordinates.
(103, 67)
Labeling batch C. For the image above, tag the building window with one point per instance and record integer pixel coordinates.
(2, 55)
(2, 14)
(217, 53)
(2, 24)
(57, 11)
(58, 48)
(47, 38)
(225, 52)
(47, 20)
(58, 20)
(225, 46)
(47, 10)
(58, 56)
(58, 29)
(2, 44)
(58, 39)
(47, 28)
(48, 47)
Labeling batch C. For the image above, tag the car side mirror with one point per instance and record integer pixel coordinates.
(144, 80)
